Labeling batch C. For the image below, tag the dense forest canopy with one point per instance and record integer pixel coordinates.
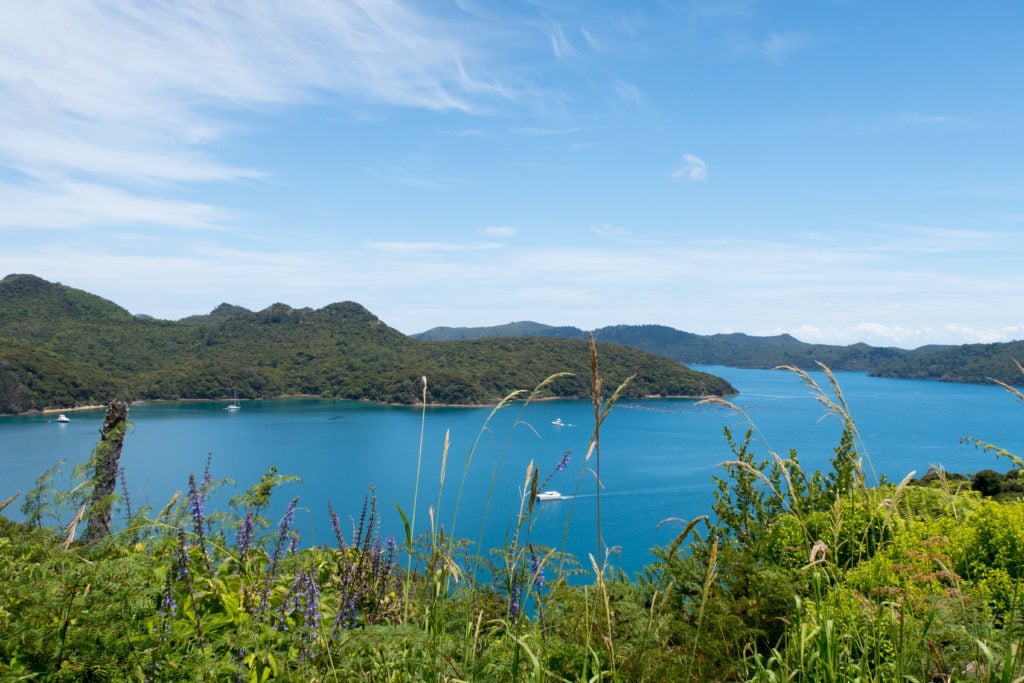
(976, 363)
(62, 347)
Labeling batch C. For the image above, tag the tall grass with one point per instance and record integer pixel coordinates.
(792, 576)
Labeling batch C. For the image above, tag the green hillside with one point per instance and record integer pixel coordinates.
(966, 363)
(734, 350)
(977, 363)
(61, 347)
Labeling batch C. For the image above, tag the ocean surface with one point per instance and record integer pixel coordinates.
(657, 457)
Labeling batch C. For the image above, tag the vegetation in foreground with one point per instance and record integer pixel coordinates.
(794, 576)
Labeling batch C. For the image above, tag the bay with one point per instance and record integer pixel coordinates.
(657, 457)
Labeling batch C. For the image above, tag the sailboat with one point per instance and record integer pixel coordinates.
(234, 405)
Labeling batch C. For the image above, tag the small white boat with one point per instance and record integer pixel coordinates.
(558, 422)
(550, 495)
(63, 418)
(234, 405)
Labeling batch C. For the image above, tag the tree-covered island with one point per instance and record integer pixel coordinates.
(61, 347)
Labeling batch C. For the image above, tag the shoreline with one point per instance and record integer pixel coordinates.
(416, 404)
(51, 411)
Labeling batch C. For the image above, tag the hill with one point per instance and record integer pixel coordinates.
(967, 363)
(61, 347)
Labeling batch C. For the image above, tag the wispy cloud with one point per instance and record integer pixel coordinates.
(774, 47)
(838, 291)
(137, 93)
(500, 231)
(73, 205)
(900, 336)
(617, 234)
(396, 246)
(625, 91)
(593, 41)
(38, 153)
(921, 119)
(518, 131)
(560, 44)
(890, 237)
(533, 132)
(400, 176)
(694, 168)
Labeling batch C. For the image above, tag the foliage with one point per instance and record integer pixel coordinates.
(993, 484)
(968, 363)
(60, 347)
(794, 576)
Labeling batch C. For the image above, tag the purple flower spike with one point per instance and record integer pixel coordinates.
(513, 603)
(564, 462)
(181, 557)
(245, 532)
(283, 538)
(537, 569)
(339, 537)
(311, 600)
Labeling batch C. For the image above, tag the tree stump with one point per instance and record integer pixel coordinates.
(108, 459)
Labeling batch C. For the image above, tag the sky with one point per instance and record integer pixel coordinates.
(838, 170)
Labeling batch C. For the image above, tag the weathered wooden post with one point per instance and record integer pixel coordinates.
(108, 458)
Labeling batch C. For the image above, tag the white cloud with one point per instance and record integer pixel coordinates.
(97, 92)
(500, 231)
(531, 132)
(397, 246)
(774, 48)
(921, 119)
(839, 292)
(38, 152)
(401, 177)
(908, 237)
(694, 168)
(984, 335)
(562, 296)
(73, 205)
(560, 44)
(618, 234)
(593, 41)
(901, 336)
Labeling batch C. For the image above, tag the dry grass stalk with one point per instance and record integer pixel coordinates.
(73, 527)
(9, 501)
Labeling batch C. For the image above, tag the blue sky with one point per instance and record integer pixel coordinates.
(843, 171)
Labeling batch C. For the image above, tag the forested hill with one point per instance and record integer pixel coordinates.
(62, 347)
(968, 363)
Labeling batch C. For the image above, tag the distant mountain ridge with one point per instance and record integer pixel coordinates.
(62, 347)
(972, 363)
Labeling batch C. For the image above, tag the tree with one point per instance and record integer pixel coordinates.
(107, 459)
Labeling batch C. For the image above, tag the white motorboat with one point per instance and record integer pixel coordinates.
(63, 418)
(550, 495)
(558, 422)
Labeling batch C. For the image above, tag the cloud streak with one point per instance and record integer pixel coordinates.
(138, 93)
(426, 247)
(774, 47)
(500, 231)
(74, 205)
(838, 292)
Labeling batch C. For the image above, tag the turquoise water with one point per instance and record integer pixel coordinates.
(657, 456)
